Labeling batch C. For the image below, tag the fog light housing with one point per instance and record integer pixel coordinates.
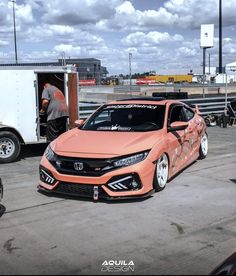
(46, 176)
(124, 183)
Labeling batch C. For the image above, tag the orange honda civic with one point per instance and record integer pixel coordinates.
(125, 149)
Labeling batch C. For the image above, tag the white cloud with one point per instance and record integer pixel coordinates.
(34, 56)
(3, 43)
(76, 12)
(68, 49)
(187, 52)
(61, 30)
(149, 39)
(192, 13)
(229, 46)
(24, 14)
(129, 18)
(65, 34)
(227, 39)
(125, 8)
(181, 13)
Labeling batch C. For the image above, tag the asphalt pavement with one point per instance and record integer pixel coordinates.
(187, 229)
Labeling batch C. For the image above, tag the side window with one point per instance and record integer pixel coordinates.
(176, 114)
(189, 114)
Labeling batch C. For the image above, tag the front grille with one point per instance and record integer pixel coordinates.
(89, 167)
(83, 190)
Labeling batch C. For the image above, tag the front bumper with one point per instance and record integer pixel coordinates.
(108, 186)
(91, 194)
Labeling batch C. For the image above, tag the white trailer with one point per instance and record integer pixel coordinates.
(21, 90)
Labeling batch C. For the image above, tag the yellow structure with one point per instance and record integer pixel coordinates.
(171, 78)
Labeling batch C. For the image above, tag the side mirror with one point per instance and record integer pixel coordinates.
(79, 123)
(178, 126)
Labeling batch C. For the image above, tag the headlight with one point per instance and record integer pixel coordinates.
(52, 157)
(50, 154)
(130, 160)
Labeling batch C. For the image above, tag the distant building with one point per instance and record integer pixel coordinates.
(230, 70)
(87, 68)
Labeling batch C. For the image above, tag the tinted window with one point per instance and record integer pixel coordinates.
(188, 113)
(127, 117)
(176, 114)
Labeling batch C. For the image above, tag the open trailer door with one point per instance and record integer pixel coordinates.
(67, 83)
(73, 99)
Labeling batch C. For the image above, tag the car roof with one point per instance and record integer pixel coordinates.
(146, 100)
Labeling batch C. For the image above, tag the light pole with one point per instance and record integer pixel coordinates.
(207, 41)
(63, 55)
(130, 74)
(220, 37)
(14, 22)
(209, 63)
(204, 70)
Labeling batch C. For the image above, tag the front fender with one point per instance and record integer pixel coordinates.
(158, 149)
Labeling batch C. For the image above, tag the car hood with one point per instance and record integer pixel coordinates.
(104, 143)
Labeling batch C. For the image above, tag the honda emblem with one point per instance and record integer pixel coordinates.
(78, 166)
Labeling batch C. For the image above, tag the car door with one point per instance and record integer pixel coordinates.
(192, 136)
(178, 141)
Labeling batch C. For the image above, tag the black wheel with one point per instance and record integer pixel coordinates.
(203, 150)
(9, 147)
(207, 121)
(161, 173)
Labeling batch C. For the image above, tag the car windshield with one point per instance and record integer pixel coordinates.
(127, 117)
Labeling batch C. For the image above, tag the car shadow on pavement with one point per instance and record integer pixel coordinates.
(86, 199)
(32, 150)
(2, 210)
(184, 169)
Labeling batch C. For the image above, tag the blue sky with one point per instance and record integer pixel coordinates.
(163, 36)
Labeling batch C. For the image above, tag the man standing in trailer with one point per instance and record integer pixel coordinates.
(54, 105)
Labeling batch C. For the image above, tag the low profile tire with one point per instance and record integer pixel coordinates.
(203, 150)
(9, 147)
(161, 173)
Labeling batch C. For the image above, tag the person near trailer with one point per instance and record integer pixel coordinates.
(55, 107)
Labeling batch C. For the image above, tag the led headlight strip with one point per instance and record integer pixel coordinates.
(130, 160)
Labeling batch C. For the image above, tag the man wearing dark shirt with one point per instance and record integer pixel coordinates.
(54, 105)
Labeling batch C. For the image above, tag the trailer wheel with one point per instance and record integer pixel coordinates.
(9, 147)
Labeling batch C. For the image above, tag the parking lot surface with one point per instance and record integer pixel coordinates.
(187, 229)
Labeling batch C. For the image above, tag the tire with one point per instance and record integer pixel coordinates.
(207, 121)
(203, 150)
(161, 173)
(9, 147)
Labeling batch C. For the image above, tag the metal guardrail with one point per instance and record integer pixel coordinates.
(206, 106)
(86, 109)
(214, 105)
(127, 88)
